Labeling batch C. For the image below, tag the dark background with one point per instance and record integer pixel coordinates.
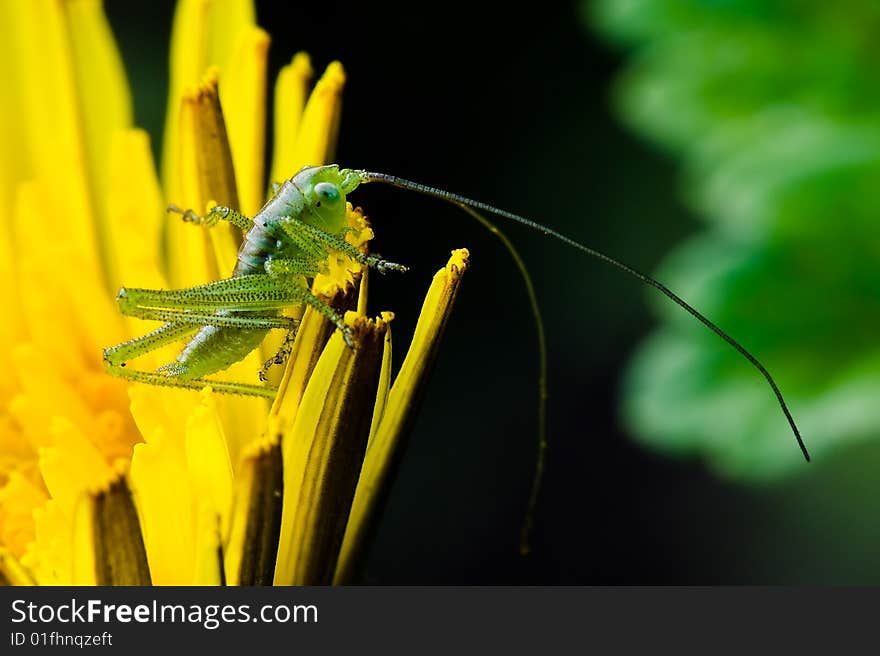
(512, 106)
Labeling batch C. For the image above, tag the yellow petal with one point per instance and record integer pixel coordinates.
(70, 95)
(203, 36)
(84, 563)
(88, 399)
(48, 290)
(243, 93)
(200, 38)
(208, 459)
(108, 547)
(43, 397)
(136, 212)
(18, 500)
(156, 409)
(14, 164)
(384, 387)
(50, 556)
(104, 99)
(72, 466)
(323, 451)
(51, 121)
(119, 552)
(256, 516)
(291, 91)
(160, 483)
(183, 487)
(208, 548)
(16, 454)
(312, 334)
(103, 102)
(399, 413)
(12, 572)
(316, 136)
(243, 417)
(11, 332)
(229, 18)
(197, 254)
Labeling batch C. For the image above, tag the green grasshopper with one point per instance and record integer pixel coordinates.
(286, 244)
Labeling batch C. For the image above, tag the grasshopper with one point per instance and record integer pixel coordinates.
(284, 245)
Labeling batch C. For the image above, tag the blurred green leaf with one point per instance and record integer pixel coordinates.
(774, 108)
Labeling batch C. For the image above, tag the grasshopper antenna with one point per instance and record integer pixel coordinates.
(455, 199)
(528, 525)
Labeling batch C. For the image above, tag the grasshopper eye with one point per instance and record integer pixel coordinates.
(327, 192)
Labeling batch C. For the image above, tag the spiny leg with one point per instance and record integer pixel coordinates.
(312, 249)
(302, 267)
(288, 274)
(248, 293)
(207, 319)
(218, 213)
(254, 292)
(115, 357)
(298, 230)
(222, 386)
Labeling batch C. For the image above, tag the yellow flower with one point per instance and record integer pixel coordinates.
(106, 483)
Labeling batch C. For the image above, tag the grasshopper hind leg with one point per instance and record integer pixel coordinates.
(237, 308)
(222, 386)
(116, 357)
(116, 363)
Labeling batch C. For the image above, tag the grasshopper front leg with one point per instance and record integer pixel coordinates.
(303, 233)
(218, 213)
(288, 274)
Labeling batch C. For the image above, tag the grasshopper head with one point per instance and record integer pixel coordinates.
(325, 189)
